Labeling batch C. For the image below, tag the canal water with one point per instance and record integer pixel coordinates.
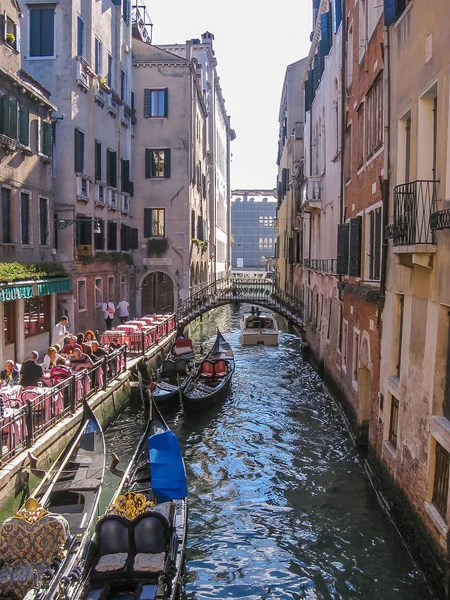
(279, 503)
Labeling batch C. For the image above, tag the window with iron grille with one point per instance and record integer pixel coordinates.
(374, 117)
(441, 480)
(393, 423)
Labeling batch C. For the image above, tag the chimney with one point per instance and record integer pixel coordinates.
(188, 49)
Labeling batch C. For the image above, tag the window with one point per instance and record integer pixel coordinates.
(441, 480)
(393, 422)
(9, 322)
(43, 222)
(111, 168)
(99, 237)
(80, 36)
(8, 116)
(400, 300)
(156, 103)
(98, 160)
(354, 262)
(42, 32)
(98, 291)
(45, 138)
(111, 287)
(374, 250)
(344, 343)
(261, 243)
(25, 218)
(157, 163)
(24, 126)
(362, 29)
(112, 235)
(374, 12)
(110, 74)
(123, 287)
(79, 151)
(154, 225)
(355, 372)
(81, 295)
(98, 56)
(374, 117)
(348, 154)
(123, 85)
(84, 233)
(6, 216)
(126, 11)
(36, 315)
(350, 56)
(11, 33)
(361, 135)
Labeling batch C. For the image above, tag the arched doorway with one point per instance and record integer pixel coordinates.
(157, 294)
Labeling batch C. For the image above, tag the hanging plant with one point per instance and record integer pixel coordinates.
(157, 246)
(198, 243)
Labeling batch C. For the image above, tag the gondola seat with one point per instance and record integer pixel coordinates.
(220, 368)
(207, 369)
(26, 547)
(168, 369)
(151, 533)
(114, 547)
(181, 366)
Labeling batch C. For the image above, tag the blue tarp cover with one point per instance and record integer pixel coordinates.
(167, 467)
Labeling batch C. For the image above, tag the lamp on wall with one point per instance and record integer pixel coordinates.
(63, 223)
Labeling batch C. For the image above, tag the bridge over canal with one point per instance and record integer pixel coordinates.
(262, 292)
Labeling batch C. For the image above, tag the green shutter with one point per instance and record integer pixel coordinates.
(79, 150)
(355, 247)
(114, 169)
(147, 104)
(4, 115)
(13, 118)
(24, 126)
(98, 160)
(125, 172)
(148, 163)
(134, 238)
(342, 249)
(167, 163)
(147, 222)
(166, 102)
(48, 138)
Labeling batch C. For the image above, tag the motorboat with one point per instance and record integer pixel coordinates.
(258, 328)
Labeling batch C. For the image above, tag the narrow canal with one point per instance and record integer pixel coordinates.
(280, 506)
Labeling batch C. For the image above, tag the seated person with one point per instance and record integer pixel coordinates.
(50, 358)
(10, 373)
(89, 336)
(70, 347)
(115, 344)
(57, 347)
(79, 360)
(60, 371)
(31, 372)
(97, 351)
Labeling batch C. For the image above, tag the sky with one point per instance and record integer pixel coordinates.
(254, 43)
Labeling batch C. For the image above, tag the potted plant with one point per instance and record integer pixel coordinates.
(157, 246)
(11, 39)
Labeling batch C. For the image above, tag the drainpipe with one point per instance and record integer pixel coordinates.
(343, 98)
(385, 179)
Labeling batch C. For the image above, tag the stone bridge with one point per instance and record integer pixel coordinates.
(261, 292)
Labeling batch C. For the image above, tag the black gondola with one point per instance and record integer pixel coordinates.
(212, 378)
(138, 547)
(174, 374)
(42, 544)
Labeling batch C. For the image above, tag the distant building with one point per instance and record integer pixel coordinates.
(252, 230)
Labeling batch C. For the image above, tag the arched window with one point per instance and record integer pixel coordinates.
(260, 242)
(261, 220)
(266, 243)
(270, 243)
(266, 221)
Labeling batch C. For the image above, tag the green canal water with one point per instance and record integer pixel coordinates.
(280, 506)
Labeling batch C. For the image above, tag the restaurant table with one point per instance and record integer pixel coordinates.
(53, 403)
(13, 426)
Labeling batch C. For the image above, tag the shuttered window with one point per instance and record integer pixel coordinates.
(6, 216)
(342, 249)
(374, 250)
(99, 236)
(98, 161)
(393, 9)
(24, 126)
(79, 151)
(8, 116)
(125, 174)
(157, 163)
(337, 14)
(80, 36)
(354, 268)
(126, 11)
(309, 93)
(84, 230)
(156, 103)
(111, 168)
(326, 39)
(134, 238)
(43, 222)
(46, 138)
(112, 235)
(42, 31)
(25, 217)
(154, 222)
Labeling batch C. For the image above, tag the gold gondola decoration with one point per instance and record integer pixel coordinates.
(31, 512)
(130, 505)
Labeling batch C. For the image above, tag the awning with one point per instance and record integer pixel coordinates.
(28, 289)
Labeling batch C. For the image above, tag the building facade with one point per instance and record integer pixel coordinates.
(82, 53)
(171, 178)
(290, 178)
(252, 228)
(27, 290)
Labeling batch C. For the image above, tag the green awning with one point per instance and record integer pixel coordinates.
(15, 292)
(53, 286)
(28, 289)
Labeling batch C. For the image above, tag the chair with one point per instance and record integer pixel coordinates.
(113, 545)
(151, 534)
(220, 368)
(207, 369)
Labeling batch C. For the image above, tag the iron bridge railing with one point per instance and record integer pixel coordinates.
(226, 290)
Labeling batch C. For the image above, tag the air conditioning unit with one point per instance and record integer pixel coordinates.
(82, 76)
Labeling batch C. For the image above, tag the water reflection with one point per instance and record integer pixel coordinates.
(280, 507)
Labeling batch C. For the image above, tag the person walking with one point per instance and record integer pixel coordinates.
(122, 307)
(59, 332)
(108, 309)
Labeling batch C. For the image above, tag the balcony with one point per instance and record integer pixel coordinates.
(125, 203)
(100, 194)
(82, 187)
(112, 198)
(322, 265)
(312, 194)
(414, 204)
(141, 22)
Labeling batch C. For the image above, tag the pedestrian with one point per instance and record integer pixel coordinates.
(60, 332)
(108, 312)
(122, 307)
(31, 372)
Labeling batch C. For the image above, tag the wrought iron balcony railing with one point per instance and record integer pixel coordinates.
(324, 265)
(414, 203)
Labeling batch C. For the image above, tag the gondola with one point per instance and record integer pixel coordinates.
(174, 374)
(42, 543)
(212, 378)
(138, 547)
